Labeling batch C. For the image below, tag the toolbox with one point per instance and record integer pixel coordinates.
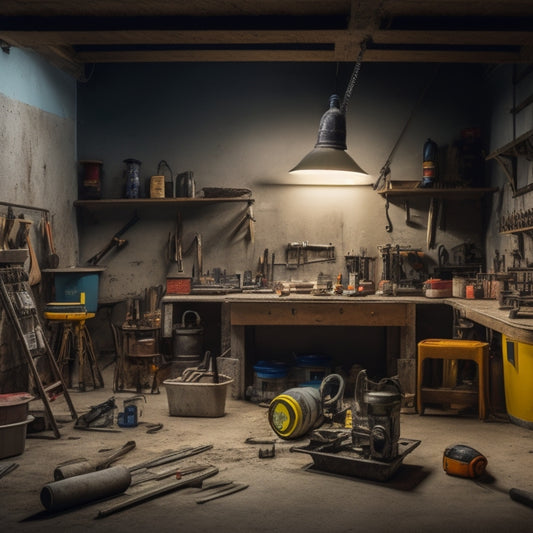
(180, 285)
(438, 288)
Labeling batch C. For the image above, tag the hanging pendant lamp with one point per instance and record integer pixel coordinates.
(328, 163)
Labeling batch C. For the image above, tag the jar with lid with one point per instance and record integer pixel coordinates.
(133, 180)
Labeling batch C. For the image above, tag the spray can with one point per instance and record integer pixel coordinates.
(429, 163)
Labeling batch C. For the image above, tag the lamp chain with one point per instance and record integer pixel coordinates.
(353, 78)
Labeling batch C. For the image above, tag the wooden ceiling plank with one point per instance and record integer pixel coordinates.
(63, 58)
(146, 8)
(159, 56)
(473, 38)
(36, 38)
(147, 37)
(449, 56)
(393, 56)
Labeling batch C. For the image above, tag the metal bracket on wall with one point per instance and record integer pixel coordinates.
(388, 227)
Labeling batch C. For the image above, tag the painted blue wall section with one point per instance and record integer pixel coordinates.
(29, 79)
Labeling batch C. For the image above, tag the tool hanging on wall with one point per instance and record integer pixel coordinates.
(385, 172)
(35, 271)
(2, 230)
(10, 221)
(178, 244)
(303, 253)
(196, 244)
(46, 229)
(174, 252)
(433, 214)
(115, 242)
(22, 239)
(250, 220)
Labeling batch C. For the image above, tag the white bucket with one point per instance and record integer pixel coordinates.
(197, 399)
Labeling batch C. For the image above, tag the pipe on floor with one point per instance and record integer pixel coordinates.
(74, 491)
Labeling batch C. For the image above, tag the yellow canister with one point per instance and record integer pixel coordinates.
(157, 187)
(518, 381)
(295, 412)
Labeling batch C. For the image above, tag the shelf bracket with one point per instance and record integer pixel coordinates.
(407, 213)
(388, 227)
(508, 167)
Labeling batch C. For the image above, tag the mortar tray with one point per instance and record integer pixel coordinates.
(350, 463)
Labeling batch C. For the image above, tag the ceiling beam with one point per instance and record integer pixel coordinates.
(161, 56)
(154, 37)
(437, 37)
(443, 56)
(395, 56)
(63, 57)
(169, 37)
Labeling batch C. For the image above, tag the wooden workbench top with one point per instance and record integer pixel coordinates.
(488, 314)
(294, 297)
(484, 312)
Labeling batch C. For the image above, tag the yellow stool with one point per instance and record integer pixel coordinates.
(451, 350)
(76, 343)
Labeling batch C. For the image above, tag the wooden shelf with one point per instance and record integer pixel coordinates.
(474, 192)
(160, 202)
(521, 146)
(519, 230)
(506, 157)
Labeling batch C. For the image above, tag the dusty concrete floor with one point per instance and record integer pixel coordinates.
(282, 495)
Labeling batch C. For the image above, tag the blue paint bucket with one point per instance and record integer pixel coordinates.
(270, 379)
(312, 368)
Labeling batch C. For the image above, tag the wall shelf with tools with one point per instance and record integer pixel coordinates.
(514, 158)
(459, 193)
(528, 230)
(112, 203)
(507, 157)
(409, 190)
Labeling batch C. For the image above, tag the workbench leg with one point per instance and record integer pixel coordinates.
(225, 327)
(238, 352)
(407, 361)
(393, 349)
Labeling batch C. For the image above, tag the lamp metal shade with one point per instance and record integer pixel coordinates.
(329, 153)
(323, 158)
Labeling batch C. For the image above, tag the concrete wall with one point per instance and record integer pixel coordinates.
(37, 170)
(505, 94)
(38, 147)
(246, 125)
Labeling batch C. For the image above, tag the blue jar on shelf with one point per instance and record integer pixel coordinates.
(133, 177)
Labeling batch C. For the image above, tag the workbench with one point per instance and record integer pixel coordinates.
(241, 310)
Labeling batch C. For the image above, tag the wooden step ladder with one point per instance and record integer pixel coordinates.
(17, 299)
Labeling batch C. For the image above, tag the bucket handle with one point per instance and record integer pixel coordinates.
(185, 313)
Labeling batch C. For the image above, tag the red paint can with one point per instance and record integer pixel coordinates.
(90, 180)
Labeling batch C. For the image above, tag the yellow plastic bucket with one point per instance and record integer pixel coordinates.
(295, 412)
(518, 381)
